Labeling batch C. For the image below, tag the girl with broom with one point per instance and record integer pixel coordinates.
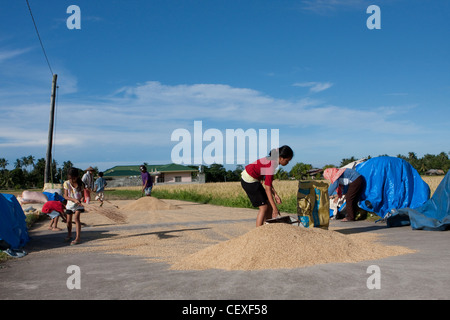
(73, 193)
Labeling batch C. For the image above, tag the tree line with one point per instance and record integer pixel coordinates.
(218, 173)
(29, 173)
(422, 165)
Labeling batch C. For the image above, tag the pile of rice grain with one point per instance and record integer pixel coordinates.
(279, 245)
(148, 204)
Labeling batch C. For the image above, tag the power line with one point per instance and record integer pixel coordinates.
(48, 164)
(39, 37)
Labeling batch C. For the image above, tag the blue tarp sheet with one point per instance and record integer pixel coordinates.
(13, 227)
(53, 196)
(434, 215)
(391, 183)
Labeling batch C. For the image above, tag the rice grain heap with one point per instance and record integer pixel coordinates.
(111, 213)
(148, 204)
(284, 246)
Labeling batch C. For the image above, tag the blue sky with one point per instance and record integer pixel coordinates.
(138, 70)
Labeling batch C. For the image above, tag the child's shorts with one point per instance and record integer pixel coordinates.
(100, 196)
(255, 192)
(73, 211)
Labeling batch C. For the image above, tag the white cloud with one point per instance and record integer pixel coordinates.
(327, 6)
(25, 81)
(141, 119)
(10, 54)
(17, 138)
(154, 108)
(314, 86)
(154, 103)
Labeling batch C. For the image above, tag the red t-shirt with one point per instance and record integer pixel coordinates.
(50, 206)
(262, 168)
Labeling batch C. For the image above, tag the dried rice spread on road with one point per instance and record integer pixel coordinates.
(111, 213)
(148, 204)
(279, 245)
(196, 237)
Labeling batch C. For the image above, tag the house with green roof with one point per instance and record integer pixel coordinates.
(167, 173)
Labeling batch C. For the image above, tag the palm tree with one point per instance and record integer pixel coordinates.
(30, 160)
(346, 161)
(27, 161)
(3, 163)
(18, 164)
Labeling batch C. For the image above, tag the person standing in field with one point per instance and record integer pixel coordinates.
(147, 181)
(88, 180)
(99, 188)
(265, 197)
(349, 179)
(73, 193)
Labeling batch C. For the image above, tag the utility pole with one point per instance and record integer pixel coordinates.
(48, 159)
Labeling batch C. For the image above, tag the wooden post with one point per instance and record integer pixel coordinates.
(48, 159)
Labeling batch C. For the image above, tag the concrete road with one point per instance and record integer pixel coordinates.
(422, 275)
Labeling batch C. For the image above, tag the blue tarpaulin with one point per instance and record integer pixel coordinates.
(13, 227)
(391, 183)
(53, 196)
(434, 215)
